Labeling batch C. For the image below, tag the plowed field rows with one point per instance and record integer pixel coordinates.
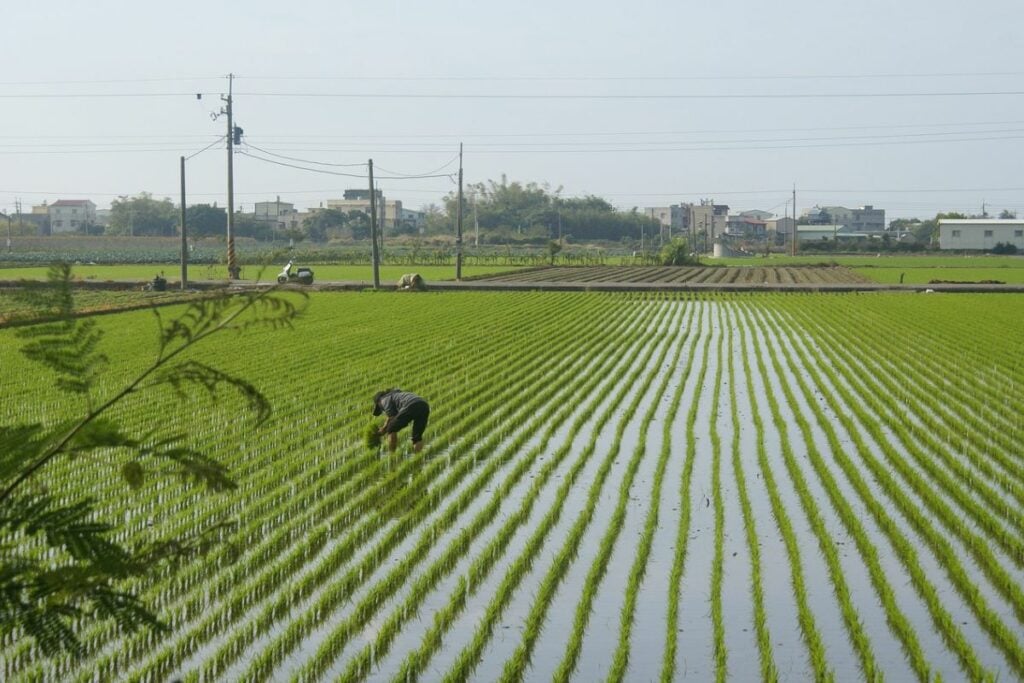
(685, 275)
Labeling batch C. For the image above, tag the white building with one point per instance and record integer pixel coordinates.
(979, 234)
(71, 215)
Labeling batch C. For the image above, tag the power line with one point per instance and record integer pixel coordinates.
(428, 174)
(623, 96)
(560, 79)
(456, 136)
(215, 142)
(533, 96)
(338, 173)
(305, 161)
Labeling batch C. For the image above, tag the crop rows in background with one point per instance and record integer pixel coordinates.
(615, 487)
(786, 274)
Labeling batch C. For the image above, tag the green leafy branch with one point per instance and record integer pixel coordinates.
(44, 598)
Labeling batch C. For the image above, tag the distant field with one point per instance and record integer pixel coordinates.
(881, 261)
(684, 275)
(916, 270)
(922, 276)
(146, 272)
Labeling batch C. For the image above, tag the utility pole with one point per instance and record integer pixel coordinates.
(374, 253)
(184, 232)
(792, 245)
(8, 233)
(476, 221)
(458, 225)
(382, 214)
(232, 265)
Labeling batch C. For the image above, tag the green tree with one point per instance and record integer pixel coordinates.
(358, 223)
(60, 565)
(554, 247)
(204, 220)
(1006, 214)
(248, 225)
(321, 221)
(677, 253)
(143, 215)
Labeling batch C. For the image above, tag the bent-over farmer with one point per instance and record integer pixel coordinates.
(402, 407)
(411, 282)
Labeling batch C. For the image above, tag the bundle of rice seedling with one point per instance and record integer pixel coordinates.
(371, 435)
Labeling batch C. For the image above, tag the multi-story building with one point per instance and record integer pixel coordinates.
(705, 222)
(71, 215)
(414, 220)
(274, 212)
(863, 219)
(359, 200)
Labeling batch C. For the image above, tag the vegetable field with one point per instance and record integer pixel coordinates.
(614, 487)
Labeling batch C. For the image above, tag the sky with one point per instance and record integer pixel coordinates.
(914, 106)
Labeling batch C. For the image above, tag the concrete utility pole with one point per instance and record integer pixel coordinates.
(184, 232)
(374, 252)
(232, 264)
(792, 244)
(458, 225)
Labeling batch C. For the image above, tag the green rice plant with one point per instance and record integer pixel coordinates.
(907, 549)
(805, 617)
(372, 436)
(469, 655)
(869, 552)
(621, 658)
(764, 642)
(718, 563)
(860, 640)
(498, 541)
(342, 634)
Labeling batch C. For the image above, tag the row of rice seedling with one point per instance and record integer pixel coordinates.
(808, 625)
(542, 464)
(976, 544)
(691, 327)
(985, 438)
(639, 371)
(842, 402)
(766, 660)
(947, 472)
(543, 397)
(434, 498)
(343, 631)
(499, 541)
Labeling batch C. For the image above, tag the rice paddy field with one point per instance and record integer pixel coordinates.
(638, 486)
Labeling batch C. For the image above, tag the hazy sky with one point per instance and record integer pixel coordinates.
(916, 106)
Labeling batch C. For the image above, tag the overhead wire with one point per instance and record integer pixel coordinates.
(215, 142)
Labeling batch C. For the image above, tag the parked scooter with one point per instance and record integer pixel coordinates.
(302, 275)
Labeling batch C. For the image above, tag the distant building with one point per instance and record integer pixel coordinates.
(757, 214)
(414, 220)
(273, 212)
(781, 226)
(741, 225)
(359, 200)
(71, 215)
(705, 222)
(864, 219)
(980, 234)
